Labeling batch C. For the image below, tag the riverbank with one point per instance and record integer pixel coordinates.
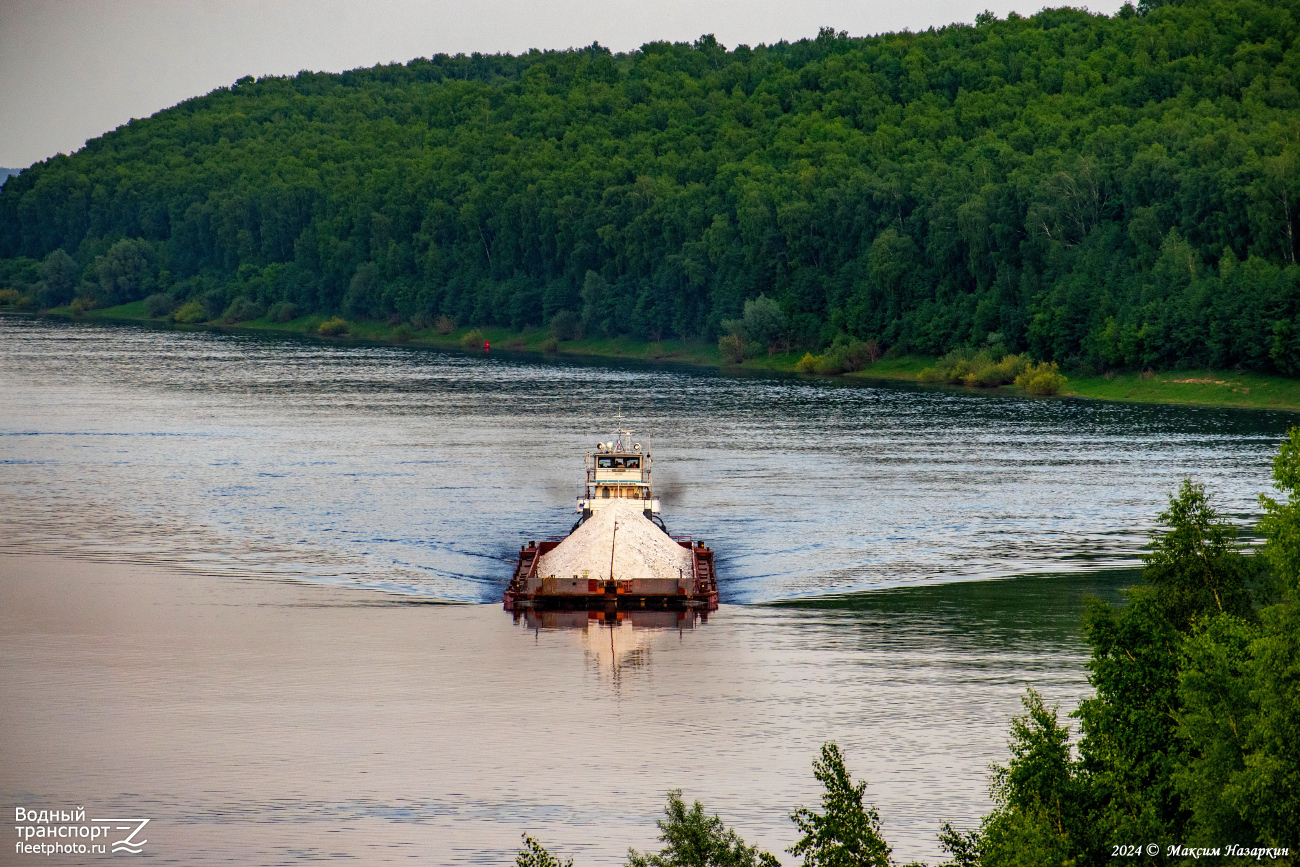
(1186, 387)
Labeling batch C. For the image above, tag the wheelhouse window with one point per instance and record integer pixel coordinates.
(614, 462)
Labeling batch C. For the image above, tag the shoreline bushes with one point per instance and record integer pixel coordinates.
(158, 305)
(189, 313)
(334, 327)
(242, 310)
(283, 311)
(566, 325)
(979, 369)
(1042, 379)
(845, 355)
(966, 367)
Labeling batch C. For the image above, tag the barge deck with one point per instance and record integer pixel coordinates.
(578, 593)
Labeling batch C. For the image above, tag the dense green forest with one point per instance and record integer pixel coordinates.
(1104, 192)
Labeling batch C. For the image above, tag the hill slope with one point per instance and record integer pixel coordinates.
(1106, 192)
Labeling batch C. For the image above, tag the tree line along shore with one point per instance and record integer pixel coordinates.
(1227, 388)
(1110, 194)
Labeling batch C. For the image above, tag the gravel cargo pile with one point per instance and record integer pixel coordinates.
(641, 549)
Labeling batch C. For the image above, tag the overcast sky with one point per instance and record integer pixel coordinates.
(71, 70)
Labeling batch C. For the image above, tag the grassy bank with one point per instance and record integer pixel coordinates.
(531, 340)
(1191, 387)
(1199, 387)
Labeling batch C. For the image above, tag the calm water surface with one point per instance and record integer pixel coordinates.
(877, 509)
(423, 472)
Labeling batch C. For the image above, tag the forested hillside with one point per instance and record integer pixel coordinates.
(1103, 192)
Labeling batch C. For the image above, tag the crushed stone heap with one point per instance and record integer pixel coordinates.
(641, 549)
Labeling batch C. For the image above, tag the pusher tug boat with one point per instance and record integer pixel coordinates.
(619, 555)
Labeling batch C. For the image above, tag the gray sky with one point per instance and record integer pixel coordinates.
(71, 70)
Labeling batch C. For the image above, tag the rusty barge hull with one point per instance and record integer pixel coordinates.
(529, 590)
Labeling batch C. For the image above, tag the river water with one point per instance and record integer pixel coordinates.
(929, 550)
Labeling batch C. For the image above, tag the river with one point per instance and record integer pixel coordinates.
(896, 564)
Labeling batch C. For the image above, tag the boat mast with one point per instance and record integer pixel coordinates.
(613, 539)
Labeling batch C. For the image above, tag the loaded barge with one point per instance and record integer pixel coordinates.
(619, 555)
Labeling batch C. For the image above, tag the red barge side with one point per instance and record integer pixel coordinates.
(528, 589)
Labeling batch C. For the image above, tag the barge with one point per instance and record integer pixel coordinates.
(619, 555)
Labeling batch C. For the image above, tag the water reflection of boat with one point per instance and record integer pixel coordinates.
(613, 640)
(619, 555)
